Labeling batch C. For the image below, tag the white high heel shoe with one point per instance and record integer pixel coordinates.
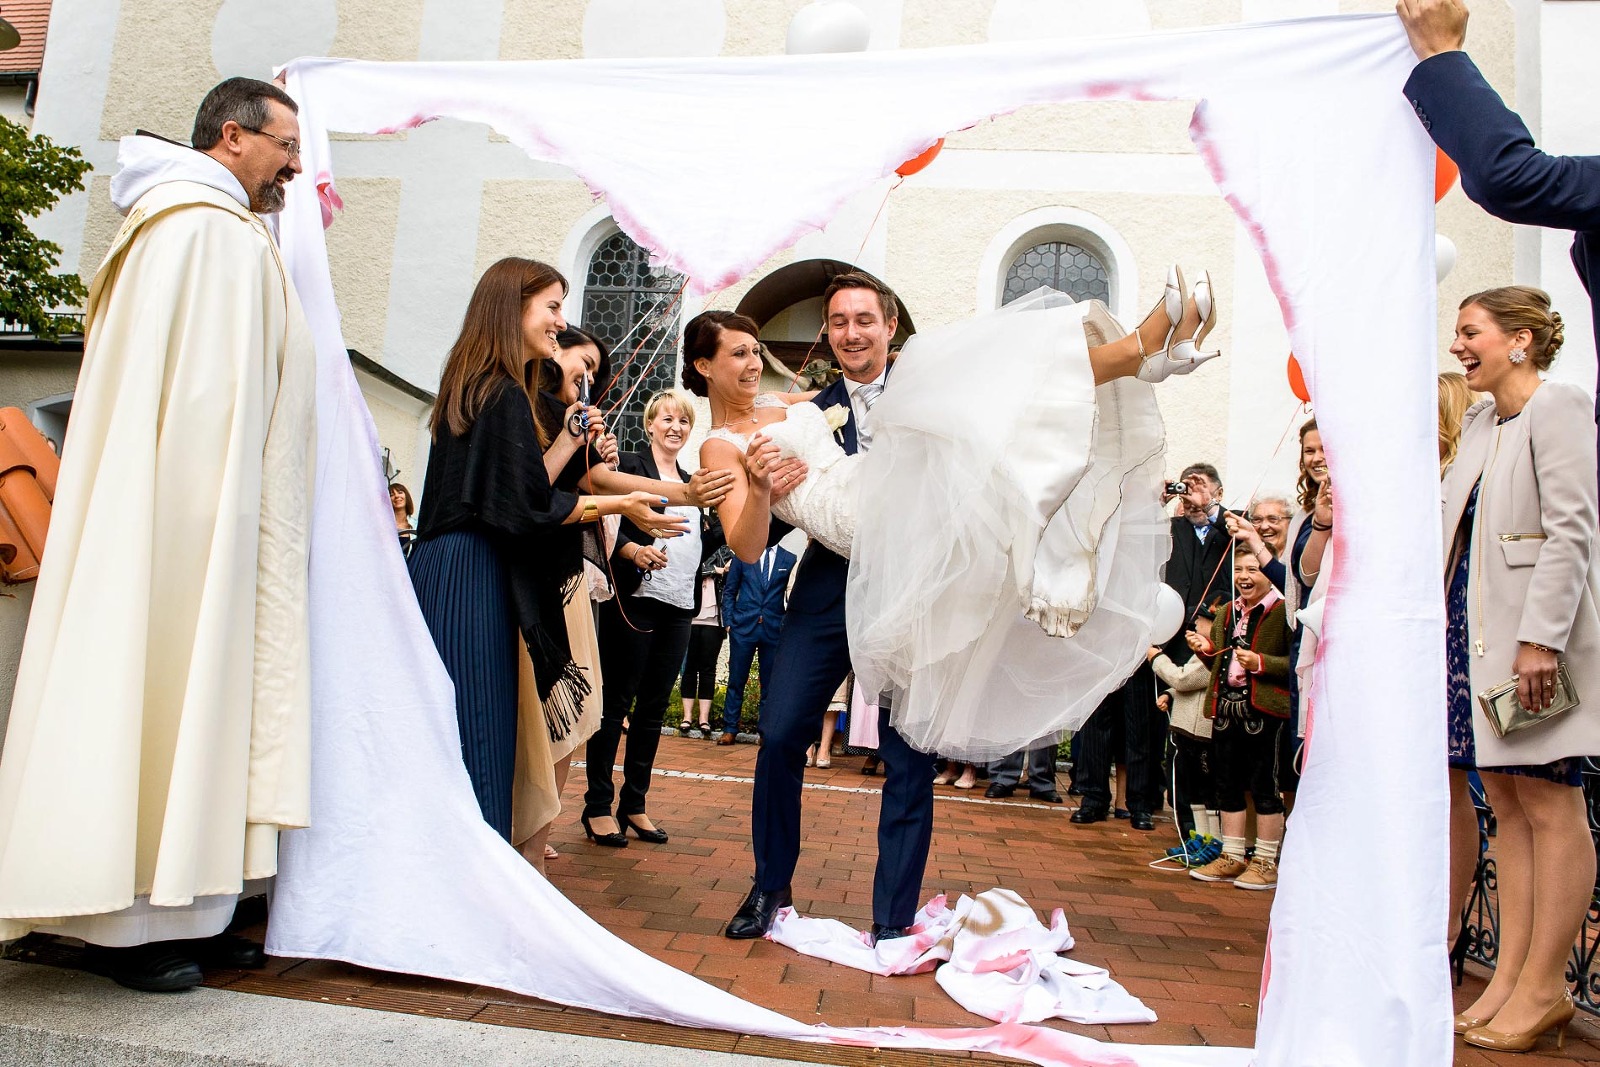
(1172, 304)
(1182, 357)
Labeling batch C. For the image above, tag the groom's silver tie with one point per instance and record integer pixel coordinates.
(868, 395)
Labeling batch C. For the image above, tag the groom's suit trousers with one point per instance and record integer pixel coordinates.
(813, 659)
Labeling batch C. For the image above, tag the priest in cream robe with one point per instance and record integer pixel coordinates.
(160, 732)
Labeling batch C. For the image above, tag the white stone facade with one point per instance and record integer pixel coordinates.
(428, 210)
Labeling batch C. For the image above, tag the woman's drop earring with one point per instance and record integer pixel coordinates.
(1517, 355)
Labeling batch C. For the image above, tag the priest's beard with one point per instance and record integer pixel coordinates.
(267, 198)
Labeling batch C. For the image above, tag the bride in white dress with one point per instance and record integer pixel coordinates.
(1005, 530)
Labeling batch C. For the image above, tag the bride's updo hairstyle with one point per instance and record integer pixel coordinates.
(700, 340)
(1522, 307)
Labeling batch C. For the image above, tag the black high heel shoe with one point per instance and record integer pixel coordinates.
(616, 840)
(655, 837)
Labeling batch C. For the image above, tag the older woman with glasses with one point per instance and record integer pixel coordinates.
(1265, 529)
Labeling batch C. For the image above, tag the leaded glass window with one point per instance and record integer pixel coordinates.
(634, 307)
(1064, 267)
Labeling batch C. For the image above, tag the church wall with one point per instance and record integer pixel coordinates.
(27, 378)
(360, 258)
(1570, 125)
(529, 218)
(427, 211)
(938, 237)
(400, 420)
(13, 100)
(100, 225)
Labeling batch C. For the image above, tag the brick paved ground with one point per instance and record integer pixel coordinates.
(1191, 951)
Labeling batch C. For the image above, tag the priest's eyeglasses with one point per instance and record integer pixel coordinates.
(290, 146)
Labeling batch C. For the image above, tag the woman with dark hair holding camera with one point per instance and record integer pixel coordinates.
(1520, 507)
(579, 371)
(487, 565)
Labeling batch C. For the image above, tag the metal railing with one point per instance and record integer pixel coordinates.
(1480, 938)
(71, 323)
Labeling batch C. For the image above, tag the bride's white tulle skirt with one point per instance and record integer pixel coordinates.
(1004, 496)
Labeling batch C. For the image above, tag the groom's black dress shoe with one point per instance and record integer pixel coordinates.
(159, 967)
(996, 790)
(1089, 813)
(881, 932)
(1142, 820)
(754, 917)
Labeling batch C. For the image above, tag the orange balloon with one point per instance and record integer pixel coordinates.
(1445, 173)
(916, 163)
(1297, 380)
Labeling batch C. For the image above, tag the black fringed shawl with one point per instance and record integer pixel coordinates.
(492, 480)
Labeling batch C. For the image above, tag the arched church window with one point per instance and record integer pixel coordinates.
(1060, 265)
(634, 307)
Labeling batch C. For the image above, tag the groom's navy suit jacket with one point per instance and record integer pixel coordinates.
(1501, 169)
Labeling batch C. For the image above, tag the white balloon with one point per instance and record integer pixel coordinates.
(1168, 619)
(828, 26)
(1444, 255)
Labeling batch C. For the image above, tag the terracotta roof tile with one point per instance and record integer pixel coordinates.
(31, 18)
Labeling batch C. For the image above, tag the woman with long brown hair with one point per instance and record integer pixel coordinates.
(1305, 549)
(487, 564)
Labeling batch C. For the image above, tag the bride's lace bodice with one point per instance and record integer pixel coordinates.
(824, 504)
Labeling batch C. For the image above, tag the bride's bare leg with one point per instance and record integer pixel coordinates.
(1121, 358)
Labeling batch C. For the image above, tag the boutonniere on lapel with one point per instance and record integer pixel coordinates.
(837, 416)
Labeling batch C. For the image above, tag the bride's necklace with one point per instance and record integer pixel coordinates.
(726, 423)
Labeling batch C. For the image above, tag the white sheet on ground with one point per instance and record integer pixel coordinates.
(1306, 131)
(1000, 961)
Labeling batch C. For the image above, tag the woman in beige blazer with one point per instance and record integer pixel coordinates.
(1520, 505)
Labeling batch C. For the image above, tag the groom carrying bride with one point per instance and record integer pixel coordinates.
(1031, 583)
(814, 657)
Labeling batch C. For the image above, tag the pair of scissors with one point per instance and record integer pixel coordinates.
(578, 422)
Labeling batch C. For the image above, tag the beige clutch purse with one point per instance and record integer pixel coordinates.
(1506, 713)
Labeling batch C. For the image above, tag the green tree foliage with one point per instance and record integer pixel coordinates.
(34, 174)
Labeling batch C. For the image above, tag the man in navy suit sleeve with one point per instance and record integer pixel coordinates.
(1501, 169)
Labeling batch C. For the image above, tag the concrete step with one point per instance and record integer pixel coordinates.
(54, 1017)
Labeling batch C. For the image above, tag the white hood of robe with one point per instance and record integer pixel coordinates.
(148, 161)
